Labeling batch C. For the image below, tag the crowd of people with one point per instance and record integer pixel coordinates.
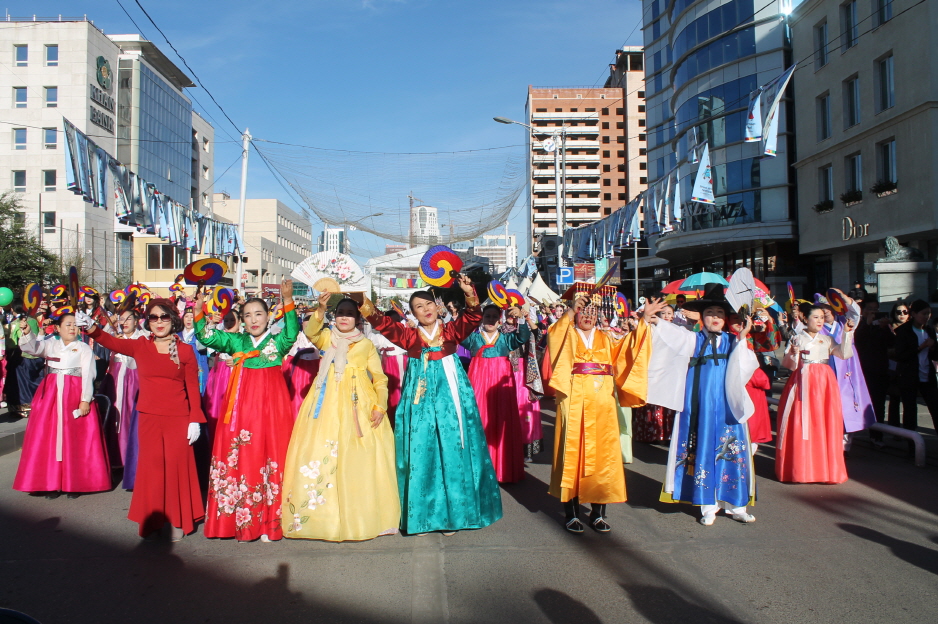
(347, 423)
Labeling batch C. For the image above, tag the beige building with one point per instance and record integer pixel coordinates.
(866, 110)
(628, 73)
(277, 238)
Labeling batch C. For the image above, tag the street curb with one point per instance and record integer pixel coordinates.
(12, 441)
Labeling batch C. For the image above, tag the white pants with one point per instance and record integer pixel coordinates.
(711, 510)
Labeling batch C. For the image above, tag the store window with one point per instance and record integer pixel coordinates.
(166, 257)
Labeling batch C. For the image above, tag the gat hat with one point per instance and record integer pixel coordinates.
(714, 295)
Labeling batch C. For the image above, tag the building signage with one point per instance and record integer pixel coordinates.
(101, 98)
(101, 120)
(564, 276)
(103, 73)
(853, 230)
(584, 272)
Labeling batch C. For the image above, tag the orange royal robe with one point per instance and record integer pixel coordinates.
(587, 451)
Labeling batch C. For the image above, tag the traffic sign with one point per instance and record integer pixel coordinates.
(565, 276)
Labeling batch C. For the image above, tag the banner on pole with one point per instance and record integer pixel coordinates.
(771, 137)
(703, 185)
(754, 117)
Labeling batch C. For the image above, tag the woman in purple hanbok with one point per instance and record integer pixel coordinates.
(122, 385)
(855, 400)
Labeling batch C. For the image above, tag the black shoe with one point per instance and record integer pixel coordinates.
(53, 495)
(574, 526)
(572, 511)
(72, 496)
(598, 520)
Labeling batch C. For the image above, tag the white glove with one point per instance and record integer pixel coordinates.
(83, 320)
(193, 434)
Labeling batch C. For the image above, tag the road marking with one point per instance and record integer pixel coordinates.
(428, 602)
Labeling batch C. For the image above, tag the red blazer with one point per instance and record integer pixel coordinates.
(165, 389)
(412, 339)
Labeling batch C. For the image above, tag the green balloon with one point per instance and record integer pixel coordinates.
(6, 296)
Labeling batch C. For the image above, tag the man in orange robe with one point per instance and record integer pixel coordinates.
(592, 375)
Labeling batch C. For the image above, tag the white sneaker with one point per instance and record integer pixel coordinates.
(708, 520)
(3, 404)
(744, 517)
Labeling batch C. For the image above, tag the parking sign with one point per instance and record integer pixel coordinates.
(565, 276)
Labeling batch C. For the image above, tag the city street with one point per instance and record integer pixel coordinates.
(864, 551)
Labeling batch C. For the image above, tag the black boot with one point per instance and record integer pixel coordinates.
(598, 518)
(572, 510)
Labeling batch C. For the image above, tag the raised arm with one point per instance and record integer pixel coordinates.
(291, 329)
(30, 346)
(216, 339)
(115, 344)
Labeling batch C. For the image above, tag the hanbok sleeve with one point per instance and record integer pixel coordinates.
(378, 379)
(844, 349)
(88, 370)
(561, 346)
(741, 365)
(291, 330)
(115, 344)
(672, 346)
(316, 332)
(467, 323)
(630, 357)
(392, 330)
(472, 343)
(30, 346)
(219, 340)
(792, 353)
(517, 339)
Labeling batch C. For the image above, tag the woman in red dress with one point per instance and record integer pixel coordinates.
(169, 408)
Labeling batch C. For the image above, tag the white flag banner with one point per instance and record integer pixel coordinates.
(676, 198)
(635, 227)
(703, 185)
(666, 203)
(772, 95)
(771, 137)
(754, 117)
(692, 145)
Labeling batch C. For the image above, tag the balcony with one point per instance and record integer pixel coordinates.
(540, 156)
(570, 201)
(579, 187)
(564, 116)
(571, 173)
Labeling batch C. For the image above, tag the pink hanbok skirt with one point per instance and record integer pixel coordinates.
(62, 454)
(529, 410)
(213, 400)
(394, 367)
(494, 386)
(299, 372)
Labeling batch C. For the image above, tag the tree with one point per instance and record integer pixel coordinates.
(22, 258)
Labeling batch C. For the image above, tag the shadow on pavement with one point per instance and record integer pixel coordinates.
(665, 606)
(919, 556)
(559, 607)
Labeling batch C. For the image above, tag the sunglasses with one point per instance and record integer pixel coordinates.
(165, 318)
(902, 312)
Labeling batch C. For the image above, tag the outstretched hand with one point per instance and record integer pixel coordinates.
(323, 301)
(651, 309)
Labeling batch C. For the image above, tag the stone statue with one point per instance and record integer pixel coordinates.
(897, 253)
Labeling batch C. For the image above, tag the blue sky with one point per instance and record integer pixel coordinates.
(372, 75)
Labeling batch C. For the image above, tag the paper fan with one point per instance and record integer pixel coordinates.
(344, 273)
(741, 291)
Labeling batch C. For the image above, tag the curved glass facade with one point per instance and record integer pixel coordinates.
(732, 47)
(713, 24)
(165, 137)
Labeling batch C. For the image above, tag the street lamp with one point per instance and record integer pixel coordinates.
(559, 137)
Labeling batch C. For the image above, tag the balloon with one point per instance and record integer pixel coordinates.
(515, 298)
(222, 300)
(438, 265)
(206, 271)
(32, 297)
(622, 305)
(498, 293)
(118, 296)
(6, 296)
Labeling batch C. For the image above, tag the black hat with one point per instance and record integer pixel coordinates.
(714, 295)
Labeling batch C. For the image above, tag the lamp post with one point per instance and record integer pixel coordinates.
(559, 137)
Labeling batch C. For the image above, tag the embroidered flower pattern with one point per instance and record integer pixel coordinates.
(319, 480)
(234, 495)
(270, 351)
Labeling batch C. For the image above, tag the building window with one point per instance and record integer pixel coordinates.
(825, 183)
(20, 55)
(52, 56)
(605, 139)
(205, 199)
(52, 97)
(885, 84)
(849, 24)
(50, 138)
(19, 181)
(607, 196)
(605, 111)
(641, 123)
(641, 108)
(643, 166)
(824, 117)
(853, 170)
(642, 151)
(205, 145)
(165, 257)
(606, 153)
(851, 102)
(621, 182)
(882, 12)
(19, 138)
(19, 97)
(607, 182)
(886, 165)
(605, 125)
(641, 95)
(620, 111)
(48, 221)
(48, 185)
(643, 180)
(821, 42)
(622, 196)
(205, 172)
(642, 138)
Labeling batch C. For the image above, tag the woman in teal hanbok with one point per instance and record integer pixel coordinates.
(444, 472)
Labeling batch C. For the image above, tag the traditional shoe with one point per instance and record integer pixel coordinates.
(265, 539)
(708, 520)
(744, 517)
(598, 519)
(572, 511)
(449, 533)
(176, 534)
(53, 495)
(72, 495)
(574, 526)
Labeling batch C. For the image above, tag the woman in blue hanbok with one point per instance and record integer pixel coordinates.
(444, 472)
(710, 458)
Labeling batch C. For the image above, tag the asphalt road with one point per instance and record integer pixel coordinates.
(863, 551)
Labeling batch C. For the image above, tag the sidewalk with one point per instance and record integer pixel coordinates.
(12, 428)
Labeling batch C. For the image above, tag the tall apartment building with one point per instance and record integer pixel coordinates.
(595, 158)
(277, 239)
(702, 60)
(333, 239)
(127, 97)
(628, 74)
(424, 225)
(866, 165)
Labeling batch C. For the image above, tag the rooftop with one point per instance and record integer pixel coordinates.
(136, 43)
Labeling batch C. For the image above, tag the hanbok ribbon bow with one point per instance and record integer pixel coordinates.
(234, 382)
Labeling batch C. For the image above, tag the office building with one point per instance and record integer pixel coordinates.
(589, 126)
(333, 239)
(277, 239)
(702, 60)
(424, 225)
(866, 166)
(128, 98)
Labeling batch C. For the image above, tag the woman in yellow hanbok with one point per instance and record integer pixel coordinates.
(339, 481)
